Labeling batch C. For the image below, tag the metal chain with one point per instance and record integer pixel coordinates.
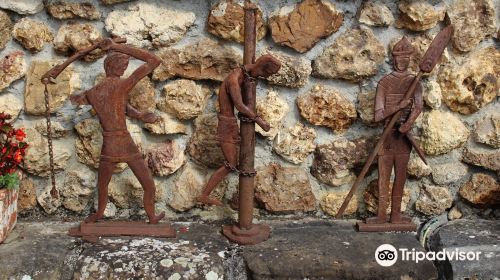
(240, 172)
(243, 118)
(53, 191)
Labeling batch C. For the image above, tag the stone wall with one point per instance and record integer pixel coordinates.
(320, 104)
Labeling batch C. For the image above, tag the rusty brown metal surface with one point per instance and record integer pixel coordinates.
(109, 99)
(398, 102)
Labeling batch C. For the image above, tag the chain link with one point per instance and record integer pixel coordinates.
(240, 172)
(53, 191)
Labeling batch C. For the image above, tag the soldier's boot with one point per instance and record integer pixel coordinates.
(396, 216)
(381, 213)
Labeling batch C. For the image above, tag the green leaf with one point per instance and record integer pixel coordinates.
(9, 181)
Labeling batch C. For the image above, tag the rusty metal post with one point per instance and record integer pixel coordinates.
(246, 232)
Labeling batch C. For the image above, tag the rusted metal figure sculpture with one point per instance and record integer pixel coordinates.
(398, 101)
(110, 101)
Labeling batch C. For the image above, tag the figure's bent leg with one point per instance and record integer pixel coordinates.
(104, 176)
(230, 154)
(401, 162)
(143, 174)
(385, 163)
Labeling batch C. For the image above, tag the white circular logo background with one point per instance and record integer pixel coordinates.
(386, 255)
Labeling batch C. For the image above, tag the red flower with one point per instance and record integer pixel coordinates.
(18, 157)
(20, 135)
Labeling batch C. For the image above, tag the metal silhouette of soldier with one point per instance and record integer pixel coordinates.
(110, 101)
(396, 149)
(228, 134)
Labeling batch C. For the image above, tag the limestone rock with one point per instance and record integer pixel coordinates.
(366, 107)
(327, 107)
(189, 185)
(10, 104)
(417, 167)
(22, 7)
(32, 34)
(419, 15)
(486, 158)
(57, 129)
(148, 25)
(433, 200)
(375, 13)
(343, 61)
(27, 196)
(488, 130)
(184, 98)
(294, 71)
(302, 26)
(225, 20)
(78, 189)
(482, 190)
(203, 145)
(473, 21)
(12, 68)
(73, 10)
(469, 85)
(109, 211)
(5, 29)
(36, 160)
(126, 192)
(166, 125)
(333, 162)
(442, 132)
(73, 37)
(454, 214)
(34, 97)
(89, 142)
(48, 203)
(296, 143)
(111, 2)
(164, 159)
(331, 202)
(203, 60)
(273, 110)
(371, 198)
(284, 189)
(447, 173)
(432, 94)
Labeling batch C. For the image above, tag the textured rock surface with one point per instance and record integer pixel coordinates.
(78, 190)
(371, 198)
(73, 10)
(148, 25)
(479, 156)
(302, 26)
(184, 98)
(469, 85)
(32, 34)
(472, 21)
(432, 94)
(22, 7)
(12, 68)
(27, 196)
(481, 190)
(203, 60)
(327, 107)
(294, 71)
(167, 124)
(164, 159)
(296, 143)
(203, 145)
(342, 61)
(442, 132)
(273, 109)
(284, 189)
(36, 160)
(48, 203)
(419, 15)
(447, 173)
(331, 202)
(417, 167)
(73, 37)
(11, 104)
(375, 13)
(5, 29)
(454, 213)
(433, 200)
(34, 98)
(488, 130)
(333, 162)
(58, 129)
(225, 20)
(366, 107)
(189, 185)
(111, 2)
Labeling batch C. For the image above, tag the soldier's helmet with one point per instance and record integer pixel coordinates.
(402, 48)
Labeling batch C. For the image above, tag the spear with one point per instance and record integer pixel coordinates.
(428, 63)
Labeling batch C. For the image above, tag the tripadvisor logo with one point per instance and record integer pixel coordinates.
(387, 255)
